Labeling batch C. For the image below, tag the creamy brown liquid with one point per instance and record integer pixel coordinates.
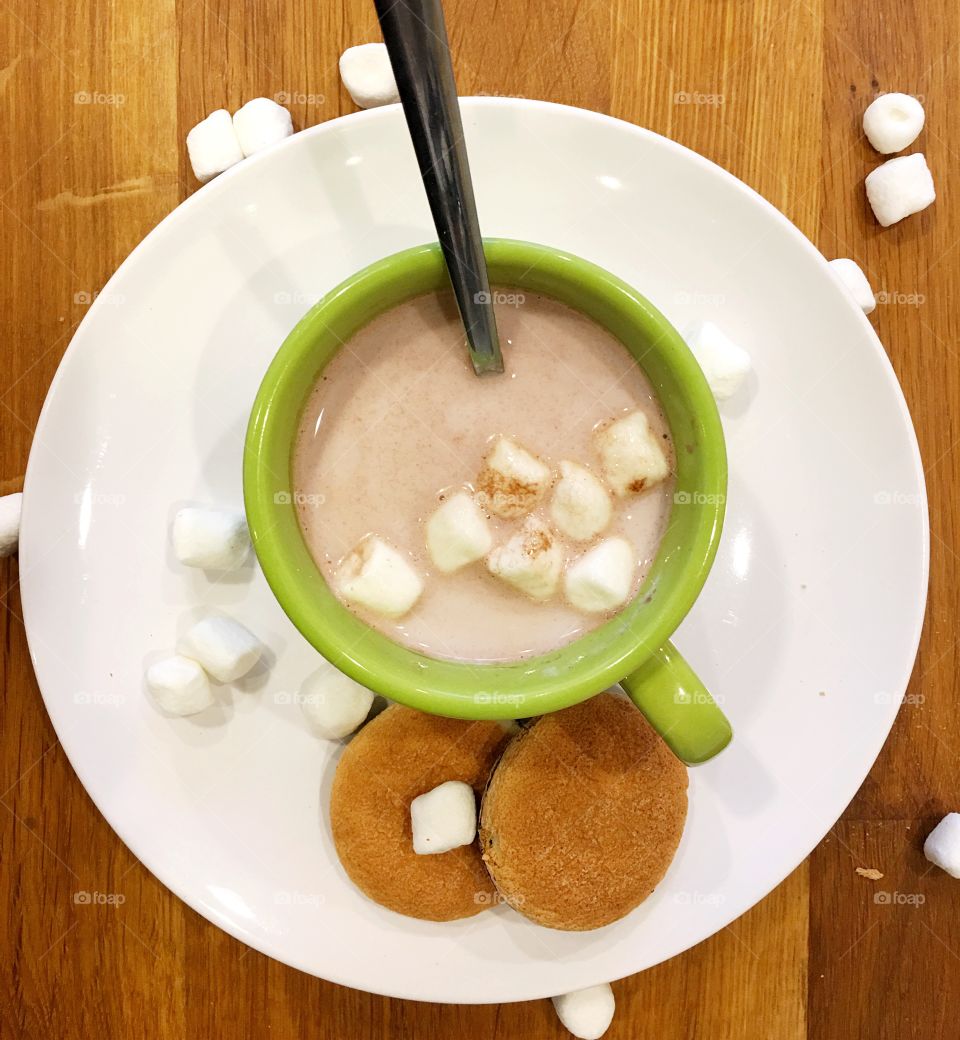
(399, 419)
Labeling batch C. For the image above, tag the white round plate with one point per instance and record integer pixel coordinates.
(806, 631)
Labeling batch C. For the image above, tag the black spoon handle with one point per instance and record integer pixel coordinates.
(416, 39)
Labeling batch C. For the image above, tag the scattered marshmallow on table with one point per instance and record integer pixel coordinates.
(851, 277)
(601, 579)
(586, 1013)
(512, 480)
(893, 122)
(214, 539)
(580, 507)
(724, 363)
(942, 846)
(10, 506)
(333, 702)
(632, 455)
(213, 145)
(374, 575)
(261, 123)
(899, 188)
(444, 818)
(225, 648)
(531, 561)
(458, 533)
(179, 685)
(368, 75)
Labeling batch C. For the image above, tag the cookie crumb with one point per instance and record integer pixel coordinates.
(870, 873)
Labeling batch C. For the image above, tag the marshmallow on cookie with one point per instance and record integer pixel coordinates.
(444, 818)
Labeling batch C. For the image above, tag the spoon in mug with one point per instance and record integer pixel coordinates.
(416, 39)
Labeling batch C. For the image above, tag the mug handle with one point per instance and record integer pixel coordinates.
(678, 706)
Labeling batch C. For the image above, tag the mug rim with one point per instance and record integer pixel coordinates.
(487, 690)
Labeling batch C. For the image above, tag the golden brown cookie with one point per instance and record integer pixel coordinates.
(583, 815)
(400, 754)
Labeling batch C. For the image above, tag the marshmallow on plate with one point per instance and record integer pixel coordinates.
(580, 507)
(632, 455)
(512, 480)
(458, 533)
(225, 648)
(601, 579)
(215, 539)
(368, 75)
(333, 702)
(374, 575)
(179, 685)
(850, 275)
(261, 123)
(942, 846)
(899, 188)
(893, 122)
(10, 506)
(444, 818)
(213, 145)
(586, 1013)
(725, 363)
(530, 561)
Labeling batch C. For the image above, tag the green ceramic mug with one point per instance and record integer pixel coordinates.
(631, 648)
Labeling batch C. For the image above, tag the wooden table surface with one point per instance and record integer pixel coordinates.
(97, 97)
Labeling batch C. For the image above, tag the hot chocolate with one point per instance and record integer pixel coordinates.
(399, 424)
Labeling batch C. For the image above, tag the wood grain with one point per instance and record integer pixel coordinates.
(98, 95)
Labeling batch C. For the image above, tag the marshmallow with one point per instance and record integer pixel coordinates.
(850, 275)
(261, 123)
(633, 459)
(223, 646)
(215, 539)
(444, 818)
(512, 480)
(213, 145)
(586, 1013)
(893, 122)
(601, 579)
(942, 846)
(179, 685)
(377, 577)
(530, 561)
(10, 506)
(580, 507)
(458, 533)
(368, 75)
(725, 363)
(333, 702)
(900, 187)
